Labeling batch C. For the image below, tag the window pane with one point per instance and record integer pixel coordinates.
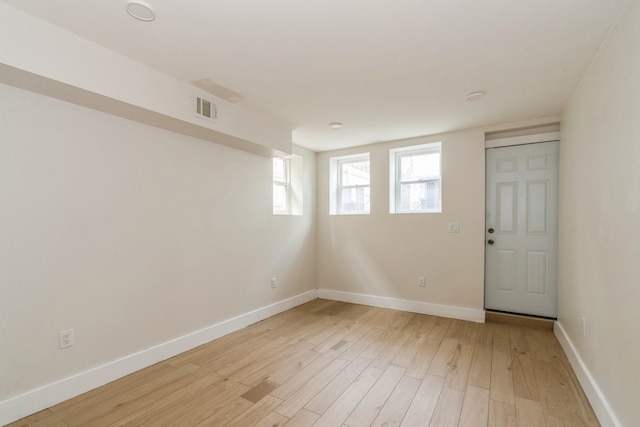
(355, 173)
(421, 166)
(355, 200)
(279, 198)
(420, 196)
(278, 170)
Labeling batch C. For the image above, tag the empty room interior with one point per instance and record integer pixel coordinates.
(417, 213)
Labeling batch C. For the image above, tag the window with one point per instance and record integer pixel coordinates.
(415, 179)
(350, 185)
(288, 175)
(281, 186)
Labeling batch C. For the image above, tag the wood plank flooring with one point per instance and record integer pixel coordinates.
(329, 363)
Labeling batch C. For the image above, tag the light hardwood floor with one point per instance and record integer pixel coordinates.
(328, 363)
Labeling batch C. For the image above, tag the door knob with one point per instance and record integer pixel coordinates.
(490, 241)
(491, 230)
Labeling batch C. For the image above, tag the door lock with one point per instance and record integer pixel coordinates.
(491, 230)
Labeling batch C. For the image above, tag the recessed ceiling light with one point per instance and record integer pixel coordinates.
(335, 125)
(141, 10)
(475, 96)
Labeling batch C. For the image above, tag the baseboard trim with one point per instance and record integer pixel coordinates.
(454, 312)
(601, 407)
(46, 396)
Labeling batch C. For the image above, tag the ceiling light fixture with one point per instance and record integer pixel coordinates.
(335, 125)
(475, 96)
(140, 10)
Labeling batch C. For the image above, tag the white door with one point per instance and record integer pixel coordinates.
(521, 229)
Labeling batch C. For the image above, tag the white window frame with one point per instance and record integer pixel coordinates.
(286, 184)
(336, 166)
(395, 182)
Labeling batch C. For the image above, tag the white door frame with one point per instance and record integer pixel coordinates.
(522, 140)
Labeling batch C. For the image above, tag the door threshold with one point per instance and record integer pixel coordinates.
(519, 319)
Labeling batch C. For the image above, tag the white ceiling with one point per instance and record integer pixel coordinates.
(386, 69)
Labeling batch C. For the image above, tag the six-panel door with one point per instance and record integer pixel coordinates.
(521, 229)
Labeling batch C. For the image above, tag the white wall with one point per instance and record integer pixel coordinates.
(131, 235)
(599, 249)
(383, 254)
(55, 62)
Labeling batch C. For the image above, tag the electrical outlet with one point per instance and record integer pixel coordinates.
(421, 282)
(454, 227)
(273, 282)
(584, 327)
(66, 338)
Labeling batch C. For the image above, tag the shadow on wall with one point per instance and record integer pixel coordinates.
(357, 267)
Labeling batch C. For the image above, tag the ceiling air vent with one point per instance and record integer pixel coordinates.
(205, 108)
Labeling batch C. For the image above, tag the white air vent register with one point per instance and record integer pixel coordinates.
(205, 108)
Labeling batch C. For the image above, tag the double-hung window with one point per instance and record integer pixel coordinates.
(281, 186)
(416, 179)
(351, 191)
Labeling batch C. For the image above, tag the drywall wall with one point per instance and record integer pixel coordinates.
(383, 254)
(131, 235)
(599, 242)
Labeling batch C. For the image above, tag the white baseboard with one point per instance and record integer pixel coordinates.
(48, 395)
(454, 312)
(599, 403)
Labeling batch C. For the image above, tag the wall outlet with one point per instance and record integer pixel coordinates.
(454, 227)
(66, 338)
(273, 282)
(584, 327)
(421, 282)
